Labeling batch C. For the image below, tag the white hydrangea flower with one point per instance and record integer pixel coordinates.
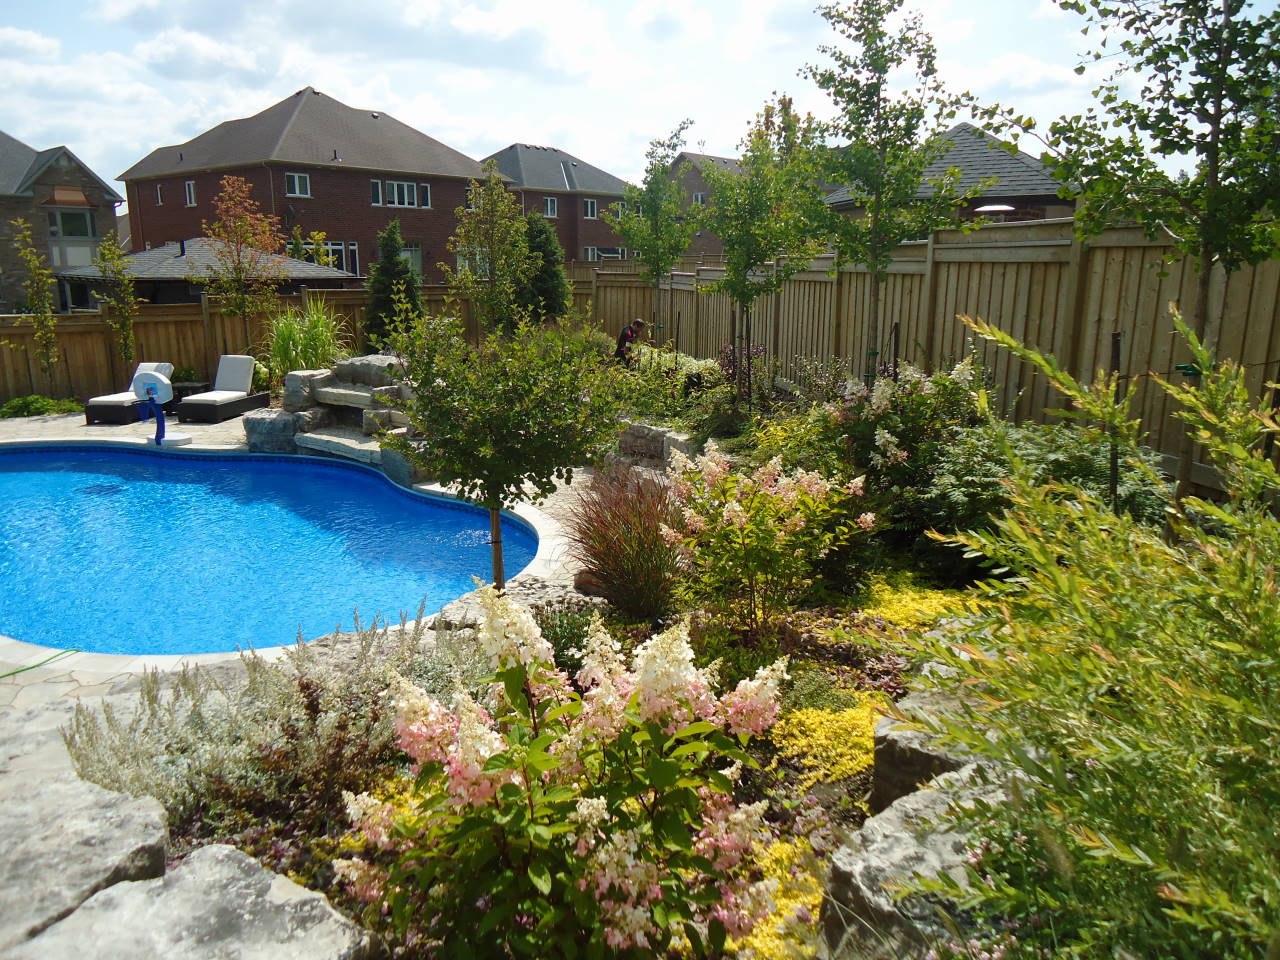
(508, 634)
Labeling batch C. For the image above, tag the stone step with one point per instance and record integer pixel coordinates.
(350, 443)
(346, 395)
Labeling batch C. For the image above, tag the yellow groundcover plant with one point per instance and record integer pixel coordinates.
(830, 745)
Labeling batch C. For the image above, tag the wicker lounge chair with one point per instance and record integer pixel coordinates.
(121, 407)
(231, 394)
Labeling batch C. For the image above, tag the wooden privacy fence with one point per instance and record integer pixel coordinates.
(1033, 280)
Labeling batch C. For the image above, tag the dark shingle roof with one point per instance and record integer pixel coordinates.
(546, 168)
(170, 263)
(20, 165)
(701, 159)
(978, 155)
(312, 129)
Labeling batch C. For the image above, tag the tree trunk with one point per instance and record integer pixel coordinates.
(873, 331)
(495, 540)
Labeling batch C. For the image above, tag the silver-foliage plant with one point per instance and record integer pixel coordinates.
(276, 736)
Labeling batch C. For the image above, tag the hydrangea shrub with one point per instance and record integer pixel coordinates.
(545, 822)
(750, 541)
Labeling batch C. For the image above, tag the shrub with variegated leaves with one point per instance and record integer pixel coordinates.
(751, 541)
(546, 823)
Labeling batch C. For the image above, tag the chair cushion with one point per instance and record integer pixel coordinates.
(154, 366)
(235, 373)
(119, 399)
(216, 396)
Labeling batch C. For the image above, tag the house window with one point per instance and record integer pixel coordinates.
(475, 264)
(376, 186)
(549, 206)
(471, 204)
(401, 194)
(699, 199)
(412, 255)
(159, 195)
(353, 259)
(424, 195)
(297, 184)
(191, 193)
(341, 256)
(590, 254)
(611, 253)
(71, 223)
(589, 209)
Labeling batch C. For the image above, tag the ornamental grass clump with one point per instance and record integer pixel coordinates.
(1132, 683)
(615, 532)
(310, 338)
(544, 822)
(750, 541)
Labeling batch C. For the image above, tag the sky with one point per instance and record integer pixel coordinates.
(114, 79)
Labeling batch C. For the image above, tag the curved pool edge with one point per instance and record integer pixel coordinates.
(26, 656)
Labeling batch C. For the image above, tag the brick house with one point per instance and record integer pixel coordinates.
(317, 164)
(686, 170)
(570, 193)
(1024, 190)
(70, 209)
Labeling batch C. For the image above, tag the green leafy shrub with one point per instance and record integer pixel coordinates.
(969, 479)
(552, 824)
(812, 439)
(750, 541)
(565, 625)
(308, 338)
(185, 375)
(615, 531)
(37, 406)
(819, 379)
(1133, 684)
(895, 432)
(664, 385)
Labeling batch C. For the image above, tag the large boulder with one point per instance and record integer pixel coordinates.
(270, 431)
(65, 839)
(907, 757)
(861, 919)
(217, 904)
(375, 370)
(299, 388)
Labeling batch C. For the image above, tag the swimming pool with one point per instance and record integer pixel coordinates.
(130, 551)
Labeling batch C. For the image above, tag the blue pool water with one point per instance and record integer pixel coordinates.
(126, 551)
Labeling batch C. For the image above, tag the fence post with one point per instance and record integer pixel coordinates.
(210, 347)
(1113, 482)
(928, 303)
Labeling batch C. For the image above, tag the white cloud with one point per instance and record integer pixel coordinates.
(18, 43)
(194, 51)
(1048, 10)
(113, 11)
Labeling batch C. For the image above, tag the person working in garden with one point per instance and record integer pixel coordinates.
(628, 337)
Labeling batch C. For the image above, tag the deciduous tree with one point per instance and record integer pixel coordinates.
(1196, 85)
(38, 288)
(503, 420)
(117, 292)
(759, 214)
(651, 219)
(247, 266)
(492, 249)
(882, 138)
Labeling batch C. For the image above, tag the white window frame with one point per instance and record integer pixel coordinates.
(190, 188)
(424, 196)
(699, 199)
(550, 208)
(591, 254)
(301, 185)
(159, 194)
(375, 192)
(400, 193)
(590, 209)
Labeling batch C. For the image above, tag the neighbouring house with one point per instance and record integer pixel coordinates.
(169, 273)
(570, 193)
(316, 164)
(70, 209)
(686, 170)
(1024, 189)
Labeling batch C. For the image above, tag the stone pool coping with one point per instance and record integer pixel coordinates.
(20, 654)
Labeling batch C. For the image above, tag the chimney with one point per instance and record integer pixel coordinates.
(182, 248)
